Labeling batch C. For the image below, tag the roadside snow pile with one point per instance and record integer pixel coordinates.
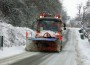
(11, 51)
(14, 36)
(83, 49)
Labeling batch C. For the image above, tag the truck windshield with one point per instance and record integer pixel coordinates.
(48, 25)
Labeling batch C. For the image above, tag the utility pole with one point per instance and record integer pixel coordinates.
(79, 14)
(79, 9)
(84, 12)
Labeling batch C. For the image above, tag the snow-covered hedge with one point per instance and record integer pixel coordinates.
(13, 35)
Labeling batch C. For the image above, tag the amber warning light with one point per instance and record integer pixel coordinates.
(42, 15)
(57, 16)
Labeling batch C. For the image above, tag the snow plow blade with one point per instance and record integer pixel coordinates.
(43, 44)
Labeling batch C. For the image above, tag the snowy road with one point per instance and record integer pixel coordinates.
(66, 57)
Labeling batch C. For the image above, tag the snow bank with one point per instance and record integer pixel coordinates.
(14, 36)
(83, 49)
(11, 51)
(14, 39)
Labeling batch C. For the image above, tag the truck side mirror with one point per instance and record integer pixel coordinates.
(64, 28)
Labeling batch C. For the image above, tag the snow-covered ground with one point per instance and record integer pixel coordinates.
(14, 36)
(11, 51)
(14, 39)
(83, 48)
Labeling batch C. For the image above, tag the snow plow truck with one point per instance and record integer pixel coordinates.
(48, 35)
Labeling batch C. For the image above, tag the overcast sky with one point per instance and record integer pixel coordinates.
(71, 6)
